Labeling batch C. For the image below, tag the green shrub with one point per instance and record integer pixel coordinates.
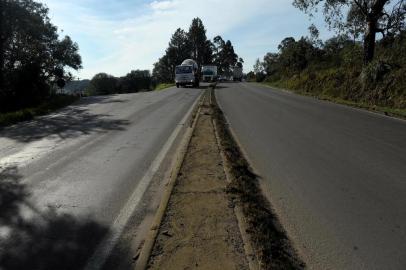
(163, 86)
(51, 104)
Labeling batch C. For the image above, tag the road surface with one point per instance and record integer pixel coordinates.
(73, 178)
(335, 175)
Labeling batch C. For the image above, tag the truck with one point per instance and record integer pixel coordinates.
(187, 74)
(237, 73)
(209, 73)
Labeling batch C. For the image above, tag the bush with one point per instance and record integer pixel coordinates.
(335, 70)
(260, 77)
(51, 104)
(163, 86)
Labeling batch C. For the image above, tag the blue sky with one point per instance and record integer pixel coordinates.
(116, 36)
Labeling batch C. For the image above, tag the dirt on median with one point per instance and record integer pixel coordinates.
(215, 208)
(199, 228)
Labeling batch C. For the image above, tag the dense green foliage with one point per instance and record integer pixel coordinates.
(352, 66)
(48, 105)
(163, 86)
(335, 68)
(135, 81)
(32, 57)
(75, 87)
(363, 18)
(195, 45)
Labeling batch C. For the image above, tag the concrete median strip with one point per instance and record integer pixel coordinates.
(204, 218)
(145, 252)
(196, 224)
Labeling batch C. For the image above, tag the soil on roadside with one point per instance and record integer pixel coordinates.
(199, 229)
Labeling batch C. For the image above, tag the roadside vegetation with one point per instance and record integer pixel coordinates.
(36, 65)
(34, 62)
(351, 67)
(50, 104)
(135, 81)
(272, 246)
(163, 86)
(193, 44)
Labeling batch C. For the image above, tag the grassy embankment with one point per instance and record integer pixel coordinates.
(386, 95)
(51, 104)
(163, 86)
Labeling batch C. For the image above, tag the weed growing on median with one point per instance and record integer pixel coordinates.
(269, 239)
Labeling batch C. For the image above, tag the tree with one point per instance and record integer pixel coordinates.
(259, 71)
(201, 48)
(315, 36)
(218, 46)
(224, 56)
(258, 67)
(135, 81)
(230, 57)
(194, 44)
(271, 63)
(162, 71)
(178, 50)
(102, 84)
(368, 17)
(32, 57)
(287, 56)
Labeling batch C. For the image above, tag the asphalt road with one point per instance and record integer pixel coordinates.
(335, 175)
(70, 179)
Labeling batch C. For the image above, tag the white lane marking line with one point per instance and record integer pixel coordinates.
(104, 249)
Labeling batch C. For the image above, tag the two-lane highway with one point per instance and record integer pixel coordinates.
(75, 177)
(335, 175)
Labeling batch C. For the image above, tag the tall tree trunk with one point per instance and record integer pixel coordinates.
(377, 10)
(369, 41)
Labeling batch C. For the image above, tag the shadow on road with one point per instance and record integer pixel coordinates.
(35, 239)
(219, 86)
(102, 100)
(67, 123)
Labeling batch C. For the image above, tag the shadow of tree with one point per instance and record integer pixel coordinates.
(102, 99)
(35, 239)
(221, 86)
(201, 87)
(70, 122)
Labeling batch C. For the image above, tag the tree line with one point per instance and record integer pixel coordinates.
(33, 58)
(354, 64)
(134, 81)
(195, 45)
(35, 61)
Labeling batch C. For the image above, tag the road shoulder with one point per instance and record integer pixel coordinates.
(385, 111)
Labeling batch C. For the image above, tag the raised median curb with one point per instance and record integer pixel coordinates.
(268, 242)
(143, 256)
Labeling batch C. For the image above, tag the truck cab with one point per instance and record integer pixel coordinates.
(209, 73)
(187, 74)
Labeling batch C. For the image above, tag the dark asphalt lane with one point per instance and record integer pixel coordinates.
(74, 177)
(335, 175)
